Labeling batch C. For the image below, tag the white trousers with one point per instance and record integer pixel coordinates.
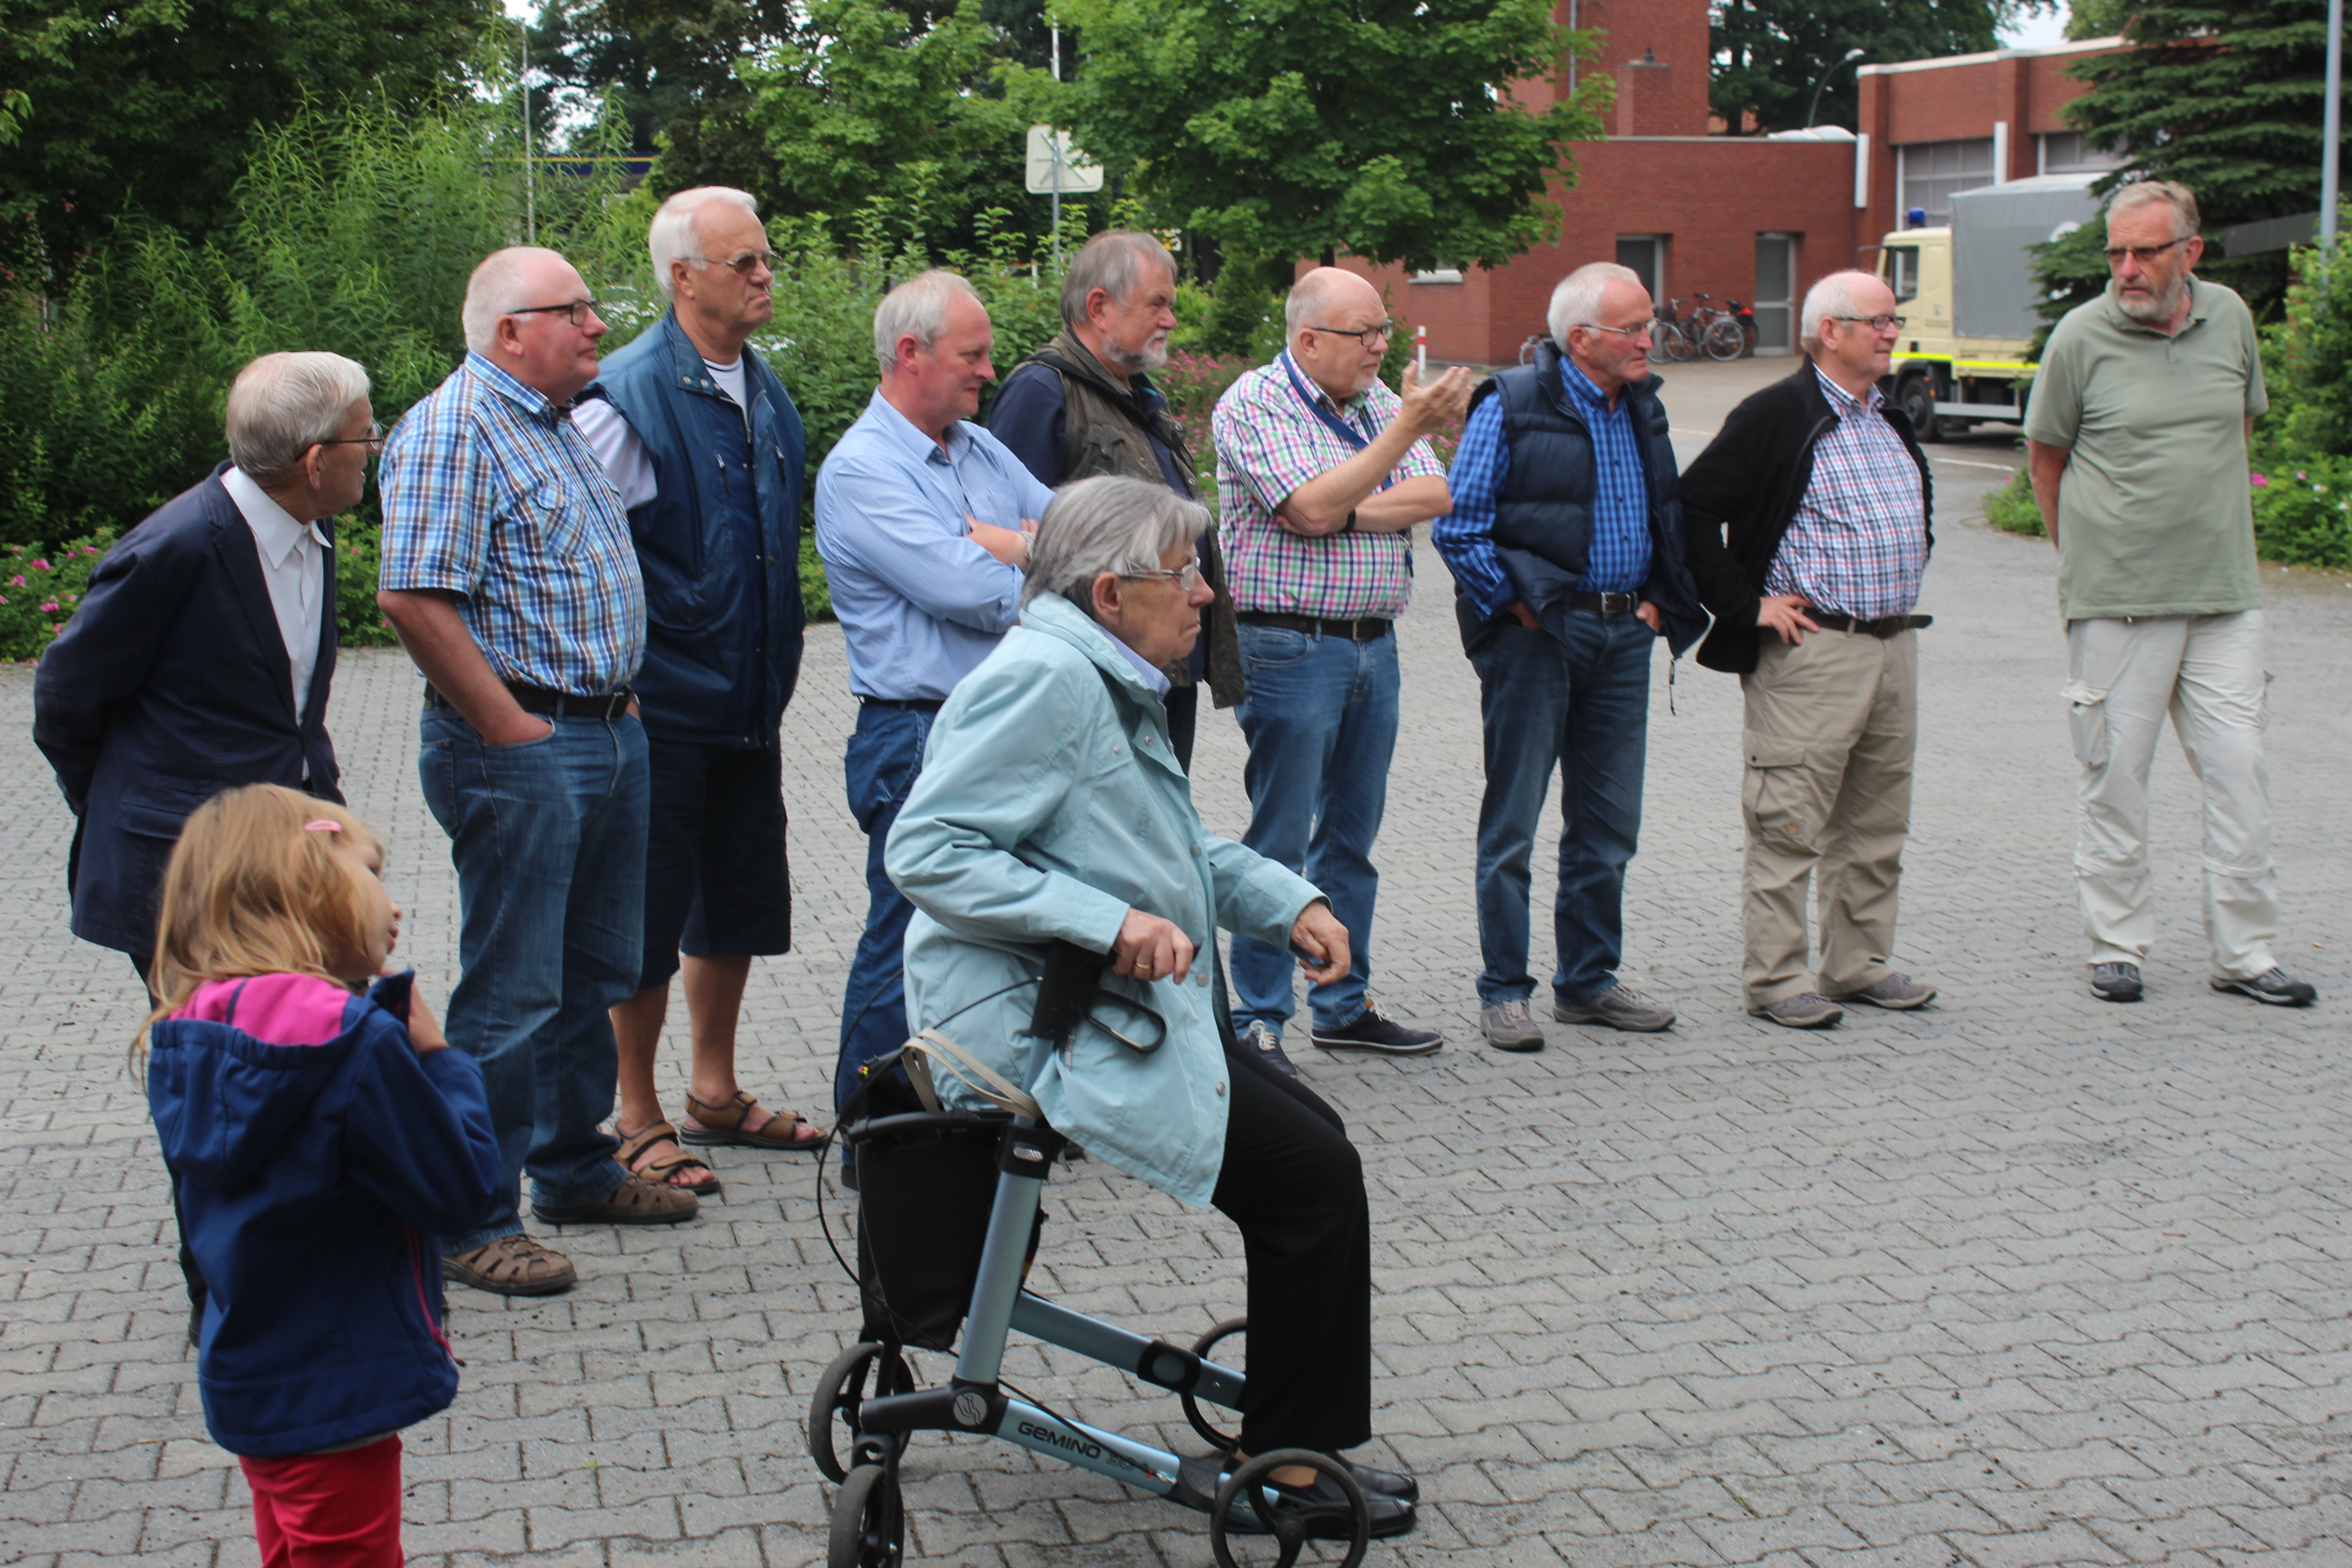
(2207, 672)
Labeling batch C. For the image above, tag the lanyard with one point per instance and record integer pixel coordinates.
(1339, 427)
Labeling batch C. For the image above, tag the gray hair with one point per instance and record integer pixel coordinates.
(1576, 302)
(671, 237)
(283, 404)
(917, 309)
(1307, 296)
(1114, 262)
(2146, 193)
(1832, 297)
(497, 288)
(1107, 524)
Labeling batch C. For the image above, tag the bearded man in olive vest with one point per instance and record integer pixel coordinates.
(1084, 404)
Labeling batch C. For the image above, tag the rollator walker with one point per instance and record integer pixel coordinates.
(922, 1177)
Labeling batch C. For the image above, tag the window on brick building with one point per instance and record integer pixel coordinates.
(2072, 152)
(1930, 174)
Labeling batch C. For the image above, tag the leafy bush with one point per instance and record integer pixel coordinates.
(39, 590)
(2011, 508)
(2302, 516)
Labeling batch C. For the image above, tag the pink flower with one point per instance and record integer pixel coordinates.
(51, 608)
(2259, 481)
(91, 550)
(40, 564)
(18, 581)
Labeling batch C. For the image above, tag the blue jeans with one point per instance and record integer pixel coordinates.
(1584, 705)
(549, 841)
(883, 759)
(1321, 722)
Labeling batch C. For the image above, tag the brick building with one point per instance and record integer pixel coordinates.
(1756, 218)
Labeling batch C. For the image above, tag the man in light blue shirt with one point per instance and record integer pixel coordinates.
(923, 519)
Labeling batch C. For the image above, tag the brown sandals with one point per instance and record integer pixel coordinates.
(510, 1265)
(721, 1126)
(636, 1201)
(660, 1168)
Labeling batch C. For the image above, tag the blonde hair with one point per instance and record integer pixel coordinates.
(251, 890)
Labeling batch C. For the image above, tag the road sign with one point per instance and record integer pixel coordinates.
(1079, 176)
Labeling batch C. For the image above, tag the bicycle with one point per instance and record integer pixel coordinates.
(1671, 338)
(1720, 332)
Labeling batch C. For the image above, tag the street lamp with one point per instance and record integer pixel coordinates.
(1815, 107)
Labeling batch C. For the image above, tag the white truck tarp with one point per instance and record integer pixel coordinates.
(1993, 292)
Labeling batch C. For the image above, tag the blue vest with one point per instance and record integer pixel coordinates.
(1543, 518)
(719, 546)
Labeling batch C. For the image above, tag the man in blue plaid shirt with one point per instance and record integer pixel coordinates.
(1565, 542)
(509, 573)
(1808, 519)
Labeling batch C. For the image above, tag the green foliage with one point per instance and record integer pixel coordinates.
(1767, 54)
(670, 64)
(116, 106)
(39, 589)
(2302, 511)
(2225, 97)
(2308, 361)
(2071, 270)
(2011, 508)
(877, 107)
(2098, 18)
(1395, 130)
(359, 553)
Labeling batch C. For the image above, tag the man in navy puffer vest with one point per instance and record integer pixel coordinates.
(1565, 546)
(703, 442)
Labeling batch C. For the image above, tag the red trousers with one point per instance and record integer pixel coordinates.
(327, 1511)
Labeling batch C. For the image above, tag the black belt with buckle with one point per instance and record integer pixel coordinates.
(1367, 629)
(1885, 626)
(552, 704)
(911, 704)
(1607, 604)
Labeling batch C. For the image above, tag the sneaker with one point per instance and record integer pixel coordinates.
(1810, 1010)
(1620, 1008)
(1508, 1027)
(510, 1265)
(1381, 1035)
(2274, 986)
(2120, 982)
(1898, 993)
(1267, 1046)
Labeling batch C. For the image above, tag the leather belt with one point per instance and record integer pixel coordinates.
(911, 704)
(1367, 629)
(553, 704)
(1607, 604)
(1885, 626)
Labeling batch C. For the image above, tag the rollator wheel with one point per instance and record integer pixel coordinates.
(869, 1528)
(841, 1389)
(1224, 1442)
(1288, 1535)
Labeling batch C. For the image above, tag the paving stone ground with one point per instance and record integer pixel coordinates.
(2021, 1278)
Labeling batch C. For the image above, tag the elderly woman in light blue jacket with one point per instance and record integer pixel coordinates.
(1051, 806)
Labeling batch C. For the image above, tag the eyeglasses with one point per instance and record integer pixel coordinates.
(743, 266)
(577, 312)
(1640, 329)
(373, 440)
(1368, 336)
(1186, 577)
(2143, 254)
(1876, 323)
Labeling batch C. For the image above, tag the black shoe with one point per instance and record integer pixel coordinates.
(2119, 982)
(2274, 986)
(1386, 1483)
(1327, 1515)
(1380, 1036)
(1262, 1043)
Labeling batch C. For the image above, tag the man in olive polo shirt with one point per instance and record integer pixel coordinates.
(2136, 437)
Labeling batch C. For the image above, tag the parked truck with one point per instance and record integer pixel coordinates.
(1967, 289)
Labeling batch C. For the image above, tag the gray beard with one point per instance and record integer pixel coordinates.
(1153, 356)
(2159, 310)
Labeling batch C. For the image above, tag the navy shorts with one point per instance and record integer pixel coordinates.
(717, 879)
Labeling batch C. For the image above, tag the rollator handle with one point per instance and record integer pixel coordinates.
(1072, 974)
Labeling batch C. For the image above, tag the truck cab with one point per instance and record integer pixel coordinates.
(1943, 382)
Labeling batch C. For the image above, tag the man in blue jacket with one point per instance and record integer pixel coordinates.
(1565, 545)
(703, 442)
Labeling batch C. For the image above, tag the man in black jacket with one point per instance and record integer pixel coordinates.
(1809, 513)
(1565, 546)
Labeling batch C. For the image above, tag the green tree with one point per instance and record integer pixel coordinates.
(674, 63)
(880, 105)
(148, 105)
(2098, 18)
(1417, 131)
(1769, 53)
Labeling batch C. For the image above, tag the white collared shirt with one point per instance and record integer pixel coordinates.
(293, 562)
(622, 455)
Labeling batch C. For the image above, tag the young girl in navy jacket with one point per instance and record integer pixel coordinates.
(321, 1135)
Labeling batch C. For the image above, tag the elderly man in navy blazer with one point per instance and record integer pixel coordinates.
(201, 656)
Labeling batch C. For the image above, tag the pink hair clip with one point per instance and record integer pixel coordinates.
(324, 824)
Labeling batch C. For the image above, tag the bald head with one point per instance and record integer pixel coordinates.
(1322, 291)
(1338, 325)
(509, 322)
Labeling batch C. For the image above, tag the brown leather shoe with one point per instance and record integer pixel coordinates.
(636, 1201)
(510, 1265)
